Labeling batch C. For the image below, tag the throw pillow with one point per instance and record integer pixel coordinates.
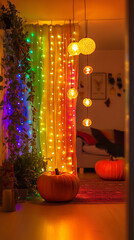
(109, 134)
(99, 136)
(116, 150)
(87, 137)
(119, 137)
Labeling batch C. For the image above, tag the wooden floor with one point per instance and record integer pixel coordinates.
(70, 221)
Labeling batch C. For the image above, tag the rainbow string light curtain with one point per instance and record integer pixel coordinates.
(55, 72)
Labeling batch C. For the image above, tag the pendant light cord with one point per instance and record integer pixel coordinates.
(73, 14)
(70, 42)
(73, 21)
(85, 19)
(70, 29)
(87, 79)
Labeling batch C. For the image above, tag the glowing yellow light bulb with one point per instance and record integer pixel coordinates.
(72, 93)
(70, 163)
(73, 48)
(86, 122)
(87, 70)
(87, 102)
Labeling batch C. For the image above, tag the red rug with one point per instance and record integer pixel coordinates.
(97, 190)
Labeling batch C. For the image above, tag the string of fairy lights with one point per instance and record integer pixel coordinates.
(55, 64)
(55, 72)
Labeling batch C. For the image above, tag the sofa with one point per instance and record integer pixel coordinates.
(93, 145)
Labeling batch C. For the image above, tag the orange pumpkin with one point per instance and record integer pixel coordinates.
(111, 169)
(57, 186)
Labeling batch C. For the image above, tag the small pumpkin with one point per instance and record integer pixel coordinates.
(110, 169)
(57, 186)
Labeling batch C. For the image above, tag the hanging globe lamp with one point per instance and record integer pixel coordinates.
(86, 122)
(73, 49)
(87, 46)
(72, 93)
(87, 70)
(87, 102)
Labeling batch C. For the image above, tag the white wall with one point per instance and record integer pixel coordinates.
(103, 117)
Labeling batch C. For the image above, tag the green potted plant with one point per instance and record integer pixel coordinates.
(19, 84)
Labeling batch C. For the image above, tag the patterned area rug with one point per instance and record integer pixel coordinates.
(97, 190)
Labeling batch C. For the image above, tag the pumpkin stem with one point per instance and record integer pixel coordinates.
(57, 171)
(111, 157)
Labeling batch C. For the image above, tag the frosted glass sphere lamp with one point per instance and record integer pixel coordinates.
(87, 46)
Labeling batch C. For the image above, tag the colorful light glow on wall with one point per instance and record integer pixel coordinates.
(55, 71)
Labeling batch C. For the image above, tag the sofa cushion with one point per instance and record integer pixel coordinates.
(87, 137)
(92, 149)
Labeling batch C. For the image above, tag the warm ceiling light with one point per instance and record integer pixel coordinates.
(73, 49)
(87, 46)
(86, 122)
(87, 70)
(87, 102)
(72, 93)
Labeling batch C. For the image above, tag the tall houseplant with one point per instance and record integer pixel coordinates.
(19, 88)
(19, 82)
